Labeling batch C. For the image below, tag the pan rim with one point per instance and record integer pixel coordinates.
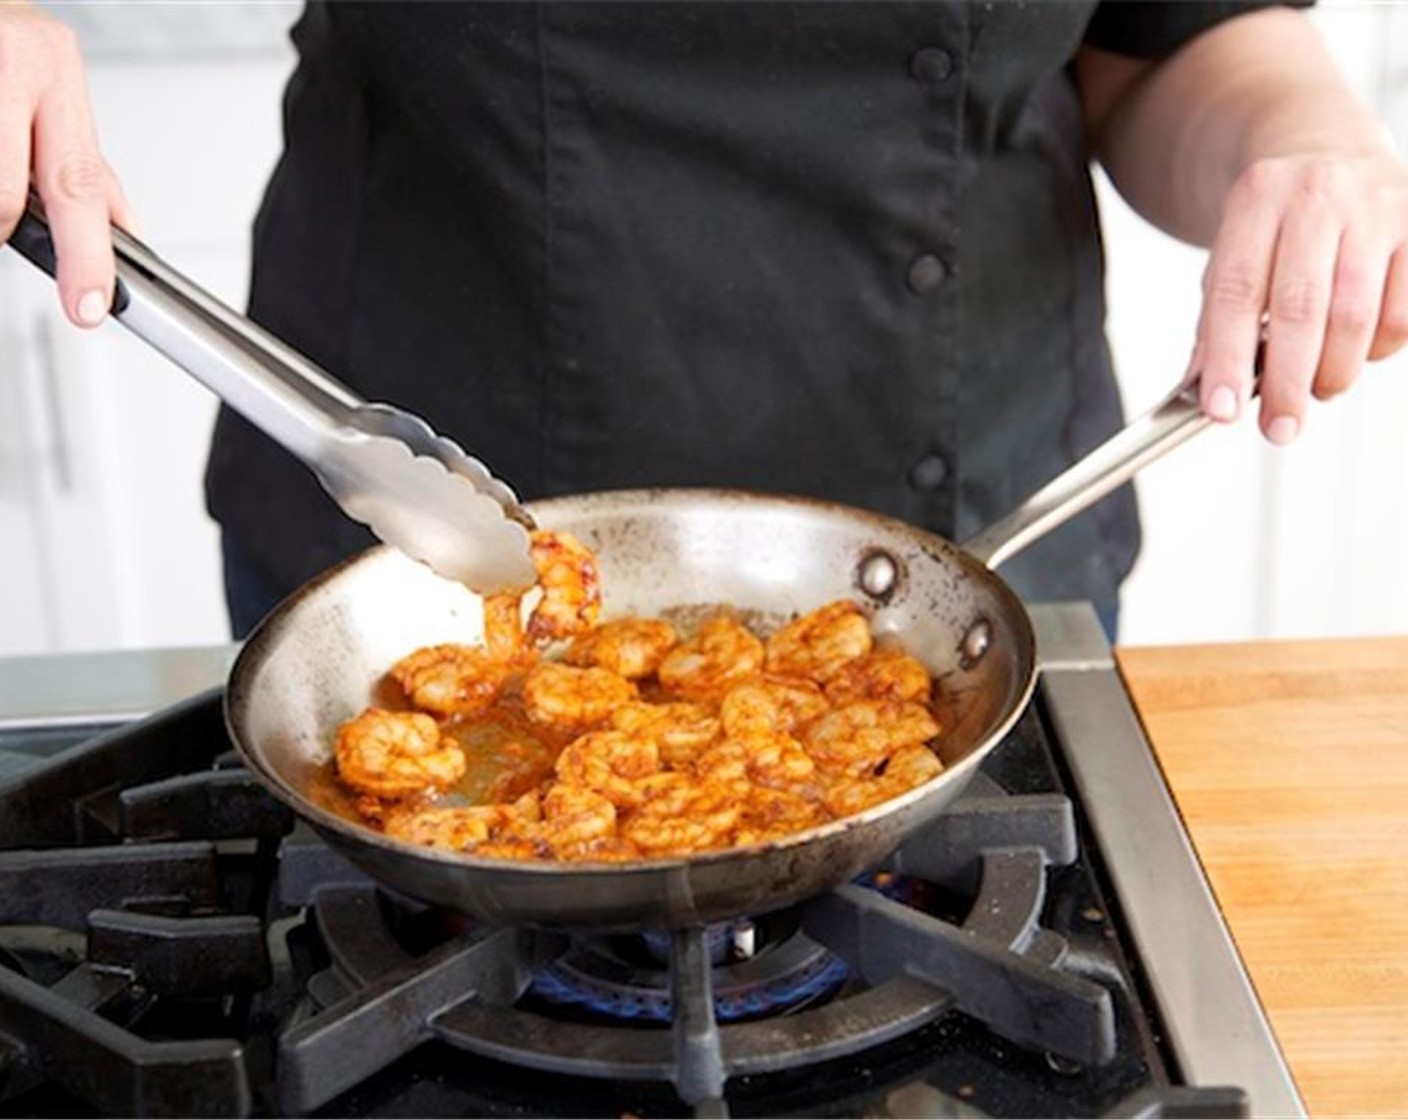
(264, 637)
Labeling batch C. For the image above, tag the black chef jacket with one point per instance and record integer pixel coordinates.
(846, 250)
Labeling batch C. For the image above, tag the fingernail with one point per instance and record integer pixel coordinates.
(92, 308)
(1283, 429)
(1222, 405)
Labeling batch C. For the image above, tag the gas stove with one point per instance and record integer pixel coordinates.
(173, 942)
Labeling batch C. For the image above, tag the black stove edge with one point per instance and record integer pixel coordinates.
(1217, 1029)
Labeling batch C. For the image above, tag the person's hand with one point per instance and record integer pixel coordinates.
(1316, 249)
(46, 132)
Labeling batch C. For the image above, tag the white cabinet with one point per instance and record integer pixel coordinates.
(62, 565)
(50, 485)
(104, 541)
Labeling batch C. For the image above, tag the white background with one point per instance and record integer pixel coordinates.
(103, 538)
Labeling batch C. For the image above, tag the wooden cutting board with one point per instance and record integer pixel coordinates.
(1289, 762)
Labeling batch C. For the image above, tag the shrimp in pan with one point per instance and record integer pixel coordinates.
(884, 673)
(630, 647)
(773, 760)
(681, 729)
(452, 829)
(770, 814)
(396, 754)
(630, 740)
(575, 818)
(910, 766)
(721, 654)
(771, 703)
(451, 679)
(560, 695)
(567, 573)
(684, 816)
(459, 829)
(818, 644)
(858, 737)
(609, 762)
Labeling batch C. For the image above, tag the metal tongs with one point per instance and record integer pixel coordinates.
(388, 469)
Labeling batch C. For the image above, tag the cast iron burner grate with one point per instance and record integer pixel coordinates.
(168, 947)
(997, 965)
(133, 940)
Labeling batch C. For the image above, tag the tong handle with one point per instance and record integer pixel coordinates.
(386, 468)
(262, 378)
(32, 241)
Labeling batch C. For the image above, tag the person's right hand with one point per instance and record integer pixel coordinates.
(47, 134)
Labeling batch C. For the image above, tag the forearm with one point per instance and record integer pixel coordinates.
(1183, 131)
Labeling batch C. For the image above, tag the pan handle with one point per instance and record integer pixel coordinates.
(1176, 419)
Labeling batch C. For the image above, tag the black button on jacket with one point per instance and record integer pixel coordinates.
(812, 248)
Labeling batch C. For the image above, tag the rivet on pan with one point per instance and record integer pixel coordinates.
(975, 643)
(878, 574)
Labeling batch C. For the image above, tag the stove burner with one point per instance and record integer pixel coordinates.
(596, 977)
(759, 969)
(720, 939)
(482, 992)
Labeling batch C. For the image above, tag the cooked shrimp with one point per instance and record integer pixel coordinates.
(681, 729)
(396, 754)
(884, 673)
(911, 766)
(772, 759)
(771, 704)
(463, 828)
(721, 654)
(630, 647)
(857, 737)
(726, 762)
(669, 787)
(451, 679)
(689, 817)
(818, 644)
(849, 795)
(609, 762)
(509, 847)
(559, 694)
(453, 829)
(567, 573)
(769, 814)
(908, 767)
(609, 849)
(573, 816)
(778, 761)
(374, 810)
(503, 627)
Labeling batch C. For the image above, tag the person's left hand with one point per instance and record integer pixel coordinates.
(1314, 250)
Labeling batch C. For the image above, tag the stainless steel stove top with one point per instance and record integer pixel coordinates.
(1214, 1032)
(1216, 1027)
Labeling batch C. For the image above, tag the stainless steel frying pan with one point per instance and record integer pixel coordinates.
(315, 662)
